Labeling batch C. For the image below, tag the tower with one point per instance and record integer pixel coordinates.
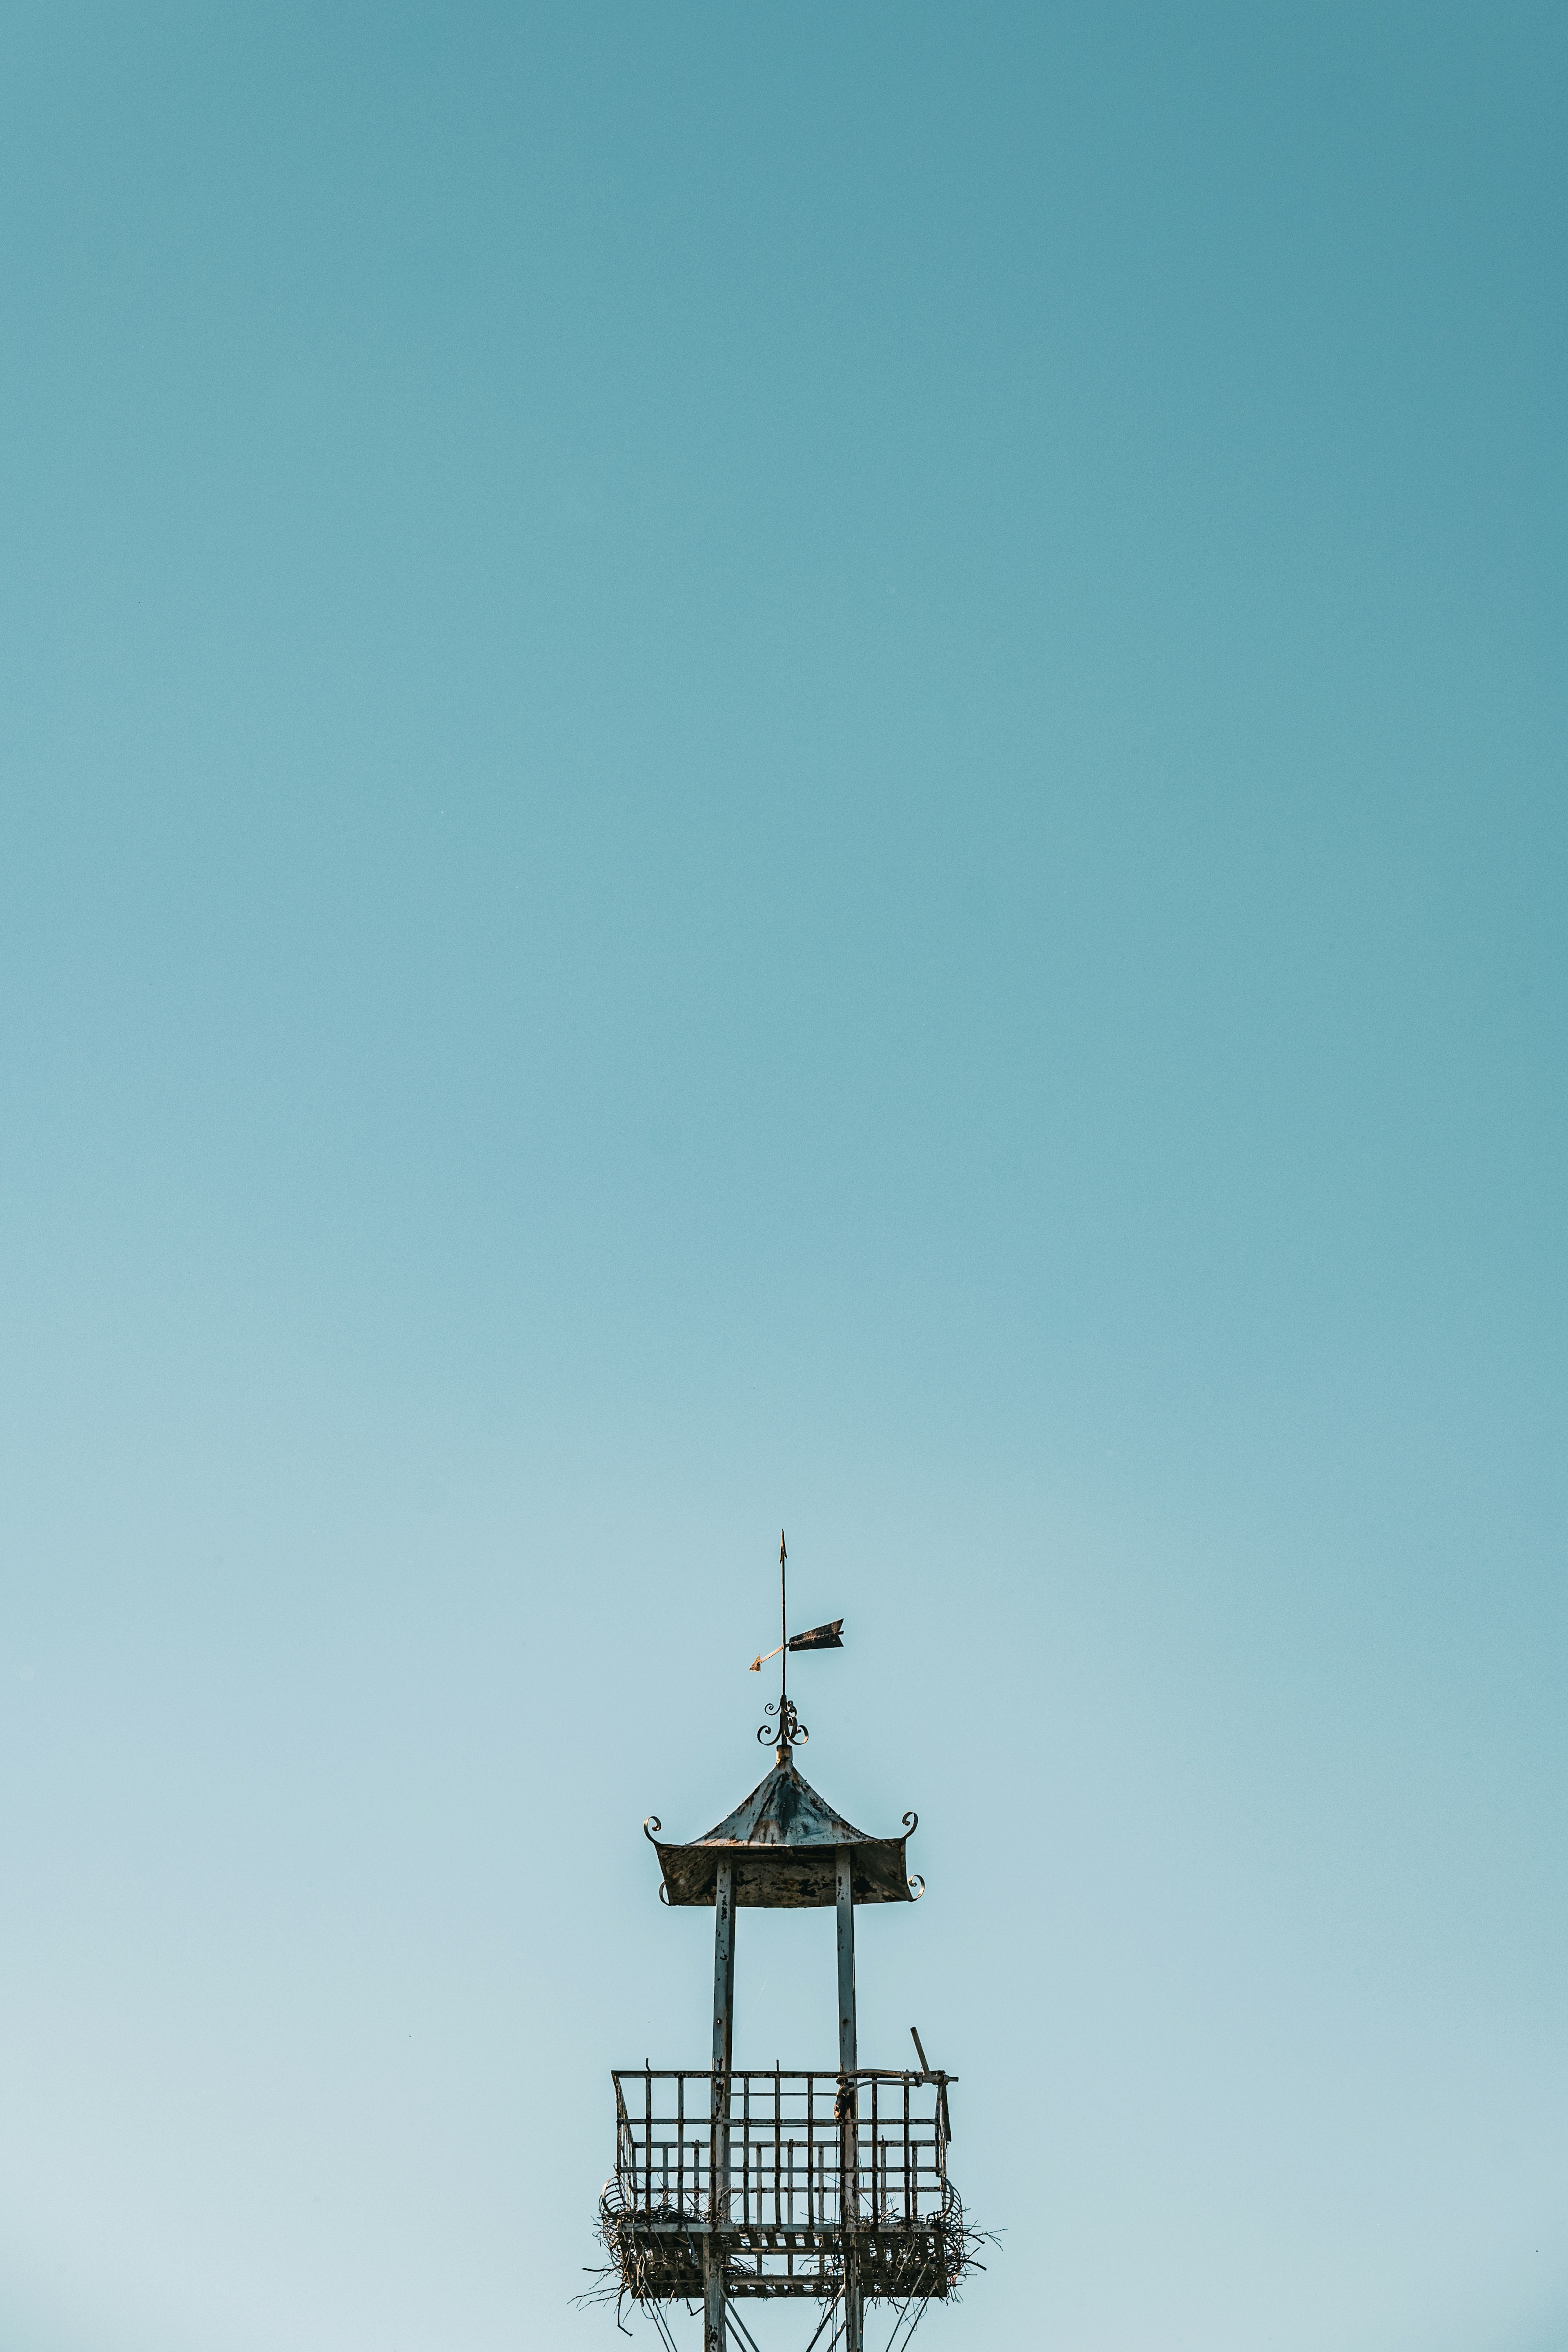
(822, 2185)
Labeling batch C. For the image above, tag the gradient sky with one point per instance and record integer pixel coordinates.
(782, 765)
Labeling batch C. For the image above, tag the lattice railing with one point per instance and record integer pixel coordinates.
(788, 2150)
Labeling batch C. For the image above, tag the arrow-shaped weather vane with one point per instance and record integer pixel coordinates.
(789, 1731)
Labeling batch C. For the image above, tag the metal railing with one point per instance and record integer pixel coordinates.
(782, 2149)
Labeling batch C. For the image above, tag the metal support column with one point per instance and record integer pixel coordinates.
(849, 2131)
(715, 2329)
(847, 2058)
(724, 1971)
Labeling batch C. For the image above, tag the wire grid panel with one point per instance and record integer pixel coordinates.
(792, 2150)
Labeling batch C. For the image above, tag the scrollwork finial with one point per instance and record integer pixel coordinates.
(786, 1730)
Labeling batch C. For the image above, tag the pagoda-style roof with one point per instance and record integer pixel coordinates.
(781, 1844)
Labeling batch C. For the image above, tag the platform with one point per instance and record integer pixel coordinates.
(788, 2174)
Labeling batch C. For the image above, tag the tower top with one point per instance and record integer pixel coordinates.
(780, 1849)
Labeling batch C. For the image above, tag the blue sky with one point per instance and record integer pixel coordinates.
(782, 766)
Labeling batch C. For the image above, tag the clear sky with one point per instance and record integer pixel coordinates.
(782, 765)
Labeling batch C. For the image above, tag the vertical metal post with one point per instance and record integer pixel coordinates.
(854, 2303)
(846, 2059)
(724, 1969)
(811, 2148)
(781, 1753)
(714, 2326)
(849, 2156)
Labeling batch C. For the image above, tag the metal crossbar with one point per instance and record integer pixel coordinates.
(662, 2324)
(739, 2330)
(831, 2314)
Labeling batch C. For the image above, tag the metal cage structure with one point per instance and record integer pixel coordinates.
(813, 2169)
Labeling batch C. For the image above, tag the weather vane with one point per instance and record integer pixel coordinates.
(788, 1730)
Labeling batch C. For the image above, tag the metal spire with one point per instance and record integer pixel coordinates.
(783, 1644)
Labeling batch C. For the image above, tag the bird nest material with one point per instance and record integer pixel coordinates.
(907, 2263)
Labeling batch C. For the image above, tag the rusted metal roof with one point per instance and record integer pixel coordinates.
(781, 1843)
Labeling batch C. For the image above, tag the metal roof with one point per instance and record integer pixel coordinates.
(781, 1843)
